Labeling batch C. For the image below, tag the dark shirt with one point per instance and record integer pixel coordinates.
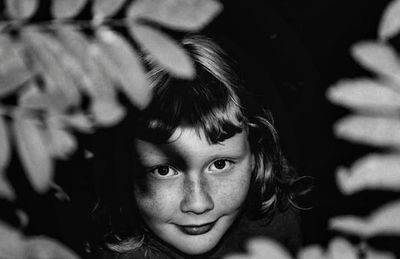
(284, 228)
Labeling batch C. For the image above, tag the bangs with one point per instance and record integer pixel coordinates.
(205, 104)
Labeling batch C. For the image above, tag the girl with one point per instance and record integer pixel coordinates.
(199, 171)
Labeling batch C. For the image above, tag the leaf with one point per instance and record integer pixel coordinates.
(62, 9)
(21, 9)
(47, 248)
(51, 60)
(376, 131)
(390, 22)
(164, 50)
(340, 248)
(32, 98)
(383, 221)
(176, 14)
(105, 8)
(378, 57)
(121, 62)
(11, 242)
(61, 143)
(311, 252)
(365, 94)
(262, 248)
(4, 145)
(373, 254)
(371, 172)
(13, 71)
(33, 152)
(80, 122)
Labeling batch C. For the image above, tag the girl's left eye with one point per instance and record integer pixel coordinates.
(220, 165)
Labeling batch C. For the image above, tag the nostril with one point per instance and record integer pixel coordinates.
(197, 200)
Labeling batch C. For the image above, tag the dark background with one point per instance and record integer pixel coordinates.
(289, 52)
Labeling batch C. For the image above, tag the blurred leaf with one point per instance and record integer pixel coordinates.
(390, 21)
(80, 122)
(311, 252)
(23, 218)
(61, 143)
(340, 248)
(262, 248)
(365, 94)
(47, 248)
(59, 193)
(62, 9)
(371, 172)
(11, 243)
(376, 131)
(4, 144)
(121, 62)
(176, 14)
(21, 9)
(33, 98)
(13, 72)
(378, 57)
(33, 152)
(383, 221)
(48, 58)
(372, 254)
(105, 8)
(164, 50)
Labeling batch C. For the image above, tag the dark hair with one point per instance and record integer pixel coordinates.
(216, 103)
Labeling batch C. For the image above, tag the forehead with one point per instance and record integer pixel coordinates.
(189, 141)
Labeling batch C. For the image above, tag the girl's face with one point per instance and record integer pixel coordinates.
(193, 191)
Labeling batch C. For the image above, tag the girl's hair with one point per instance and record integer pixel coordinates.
(214, 102)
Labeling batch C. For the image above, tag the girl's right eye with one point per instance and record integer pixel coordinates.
(164, 171)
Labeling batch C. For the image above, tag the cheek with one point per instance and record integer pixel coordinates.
(230, 193)
(157, 202)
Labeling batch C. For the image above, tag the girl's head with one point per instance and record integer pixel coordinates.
(208, 152)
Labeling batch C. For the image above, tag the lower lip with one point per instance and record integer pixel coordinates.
(197, 230)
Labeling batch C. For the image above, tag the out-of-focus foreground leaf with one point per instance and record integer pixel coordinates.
(5, 188)
(164, 50)
(377, 171)
(46, 59)
(376, 131)
(176, 14)
(365, 95)
(378, 57)
(21, 9)
(32, 149)
(383, 221)
(121, 62)
(104, 8)
(62, 9)
(390, 21)
(13, 71)
(262, 248)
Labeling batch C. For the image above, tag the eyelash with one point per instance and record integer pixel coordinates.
(153, 171)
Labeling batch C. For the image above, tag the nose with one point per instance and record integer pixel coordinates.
(196, 198)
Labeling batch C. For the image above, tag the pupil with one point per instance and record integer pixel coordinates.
(163, 170)
(220, 164)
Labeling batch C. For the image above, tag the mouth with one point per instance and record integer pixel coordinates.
(196, 229)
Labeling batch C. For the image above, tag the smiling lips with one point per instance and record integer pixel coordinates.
(196, 229)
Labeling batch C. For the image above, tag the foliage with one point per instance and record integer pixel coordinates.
(375, 103)
(63, 74)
